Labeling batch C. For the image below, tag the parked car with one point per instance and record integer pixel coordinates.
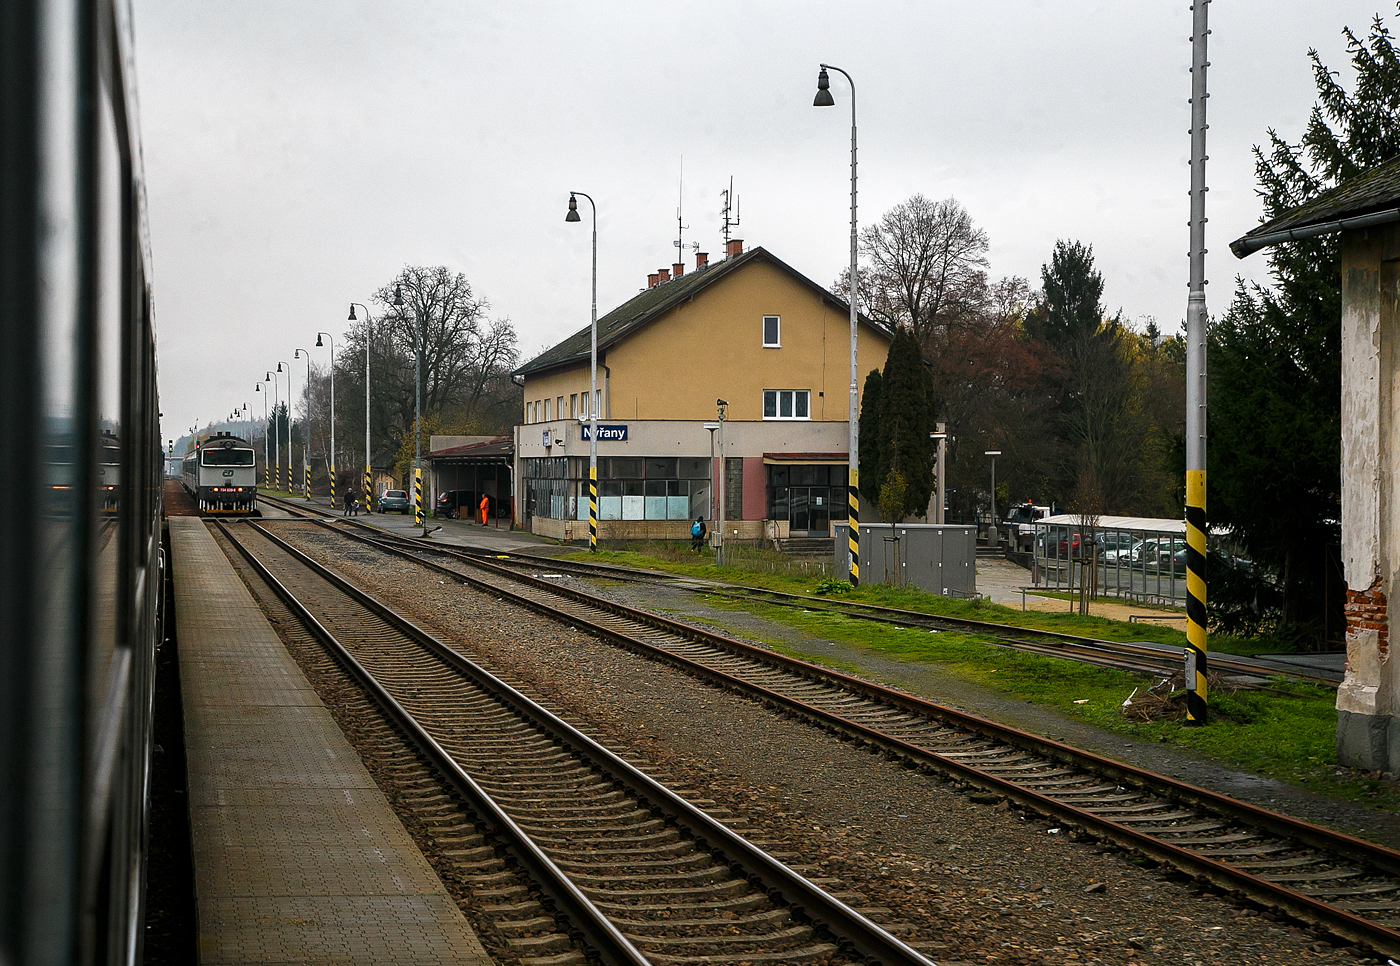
(395, 501)
(1123, 553)
(1157, 552)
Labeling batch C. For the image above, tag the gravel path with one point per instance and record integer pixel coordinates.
(988, 882)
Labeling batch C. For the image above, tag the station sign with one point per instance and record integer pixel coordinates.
(607, 434)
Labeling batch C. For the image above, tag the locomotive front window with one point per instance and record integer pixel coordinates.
(228, 457)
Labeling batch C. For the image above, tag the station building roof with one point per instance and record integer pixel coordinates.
(654, 302)
(1365, 199)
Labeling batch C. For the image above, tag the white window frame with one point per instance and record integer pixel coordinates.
(546, 410)
(763, 332)
(792, 395)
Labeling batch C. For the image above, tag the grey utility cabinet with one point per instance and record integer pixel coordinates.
(938, 558)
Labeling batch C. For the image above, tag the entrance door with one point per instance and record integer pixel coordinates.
(804, 495)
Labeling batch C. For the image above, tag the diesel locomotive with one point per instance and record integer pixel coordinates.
(220, 474)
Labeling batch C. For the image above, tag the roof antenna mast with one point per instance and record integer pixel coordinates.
(681, 226)
(729, 213)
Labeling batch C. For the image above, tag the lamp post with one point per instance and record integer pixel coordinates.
(992, 530)
(714, 483)
(941, 438)
(327, 335)
(369, 481)
(824, 99)
(305, 443)
(267, 467)
(721, 405)
(288, 371)
(573, 215)
(419, 519)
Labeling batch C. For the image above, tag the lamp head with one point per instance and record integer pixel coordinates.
(296, 354)
(721, 402)
(573, 209)
(398, 295)
(279, 367)
(257, 387)
(318, 341)
(823, 98)
(352, 313)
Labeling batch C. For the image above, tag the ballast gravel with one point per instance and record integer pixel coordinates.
(978, 880)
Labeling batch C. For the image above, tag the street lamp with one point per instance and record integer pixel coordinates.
(721, 405)
(369, 480)
(573, 215)
(714, 483)
(332, 459)
(941, 438)
(267, 467)
(288, 371)
(305, 443)
(419, 519)
(824, 99)
(992, 530)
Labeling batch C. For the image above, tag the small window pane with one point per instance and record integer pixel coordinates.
(695, 469)
(663, 468)
(785, 404)
(770, 330)
(626, 468)
(655, 487)
(770, 404)
(800, 410)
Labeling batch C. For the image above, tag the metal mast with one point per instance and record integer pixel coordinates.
(1196, 382)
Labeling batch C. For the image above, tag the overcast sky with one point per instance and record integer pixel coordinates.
(297, 155)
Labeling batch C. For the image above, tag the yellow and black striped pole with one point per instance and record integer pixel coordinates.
(1196, 704)
(332, 487)
(306, 484)
(417, 496)
(1196, 596)
(853, 521)
(369, 490)
(593, 508)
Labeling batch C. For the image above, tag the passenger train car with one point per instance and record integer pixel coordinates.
(81, 565)
(220, 473)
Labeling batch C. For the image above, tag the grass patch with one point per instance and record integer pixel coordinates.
(1287, 734)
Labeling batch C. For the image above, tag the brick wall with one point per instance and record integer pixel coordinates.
(1368, 610)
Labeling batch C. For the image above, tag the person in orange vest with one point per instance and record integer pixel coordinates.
(485, 505)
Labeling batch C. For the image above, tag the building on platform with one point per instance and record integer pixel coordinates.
(749, 330)
(1366, 213)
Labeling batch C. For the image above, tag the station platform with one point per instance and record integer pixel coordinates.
(297, 856)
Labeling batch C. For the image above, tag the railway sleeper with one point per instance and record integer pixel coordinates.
(631, 868)
(710, 872)
(820, 953)
(731, 940)
(642, 926)
(747, 902)
(730, 887)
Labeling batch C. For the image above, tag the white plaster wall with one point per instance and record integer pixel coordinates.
(1361, 454)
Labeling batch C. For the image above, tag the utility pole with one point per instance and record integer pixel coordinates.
(1196, 383)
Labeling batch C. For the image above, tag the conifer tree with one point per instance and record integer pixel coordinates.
(871, 469)
(906, 420)
(1275, 369)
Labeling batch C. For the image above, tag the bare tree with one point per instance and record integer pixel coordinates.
(926, 267)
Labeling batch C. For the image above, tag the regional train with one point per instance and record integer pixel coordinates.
(220, 473)
(81, 559)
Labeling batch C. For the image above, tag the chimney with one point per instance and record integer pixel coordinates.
(663, 274)
(733, 247)
(701, 260)
(677, 270)
(652, 279)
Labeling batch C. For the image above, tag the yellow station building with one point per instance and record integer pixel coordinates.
(749, 330)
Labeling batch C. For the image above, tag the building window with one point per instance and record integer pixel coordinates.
(629, 488)
(771, 332)
(787, 403)
(559, 407)
(573, 405)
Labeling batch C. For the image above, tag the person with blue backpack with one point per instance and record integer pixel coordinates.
(697, 534)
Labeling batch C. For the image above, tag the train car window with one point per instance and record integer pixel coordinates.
(228, 457)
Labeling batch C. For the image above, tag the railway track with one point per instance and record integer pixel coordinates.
(1148, 659)
(1346, 885)
(620, 868)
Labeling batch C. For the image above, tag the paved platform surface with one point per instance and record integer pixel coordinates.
(297, 856)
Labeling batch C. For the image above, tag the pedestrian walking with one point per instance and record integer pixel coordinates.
(346, 511)
(697, 534)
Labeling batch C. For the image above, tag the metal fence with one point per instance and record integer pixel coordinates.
(1142, 564)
